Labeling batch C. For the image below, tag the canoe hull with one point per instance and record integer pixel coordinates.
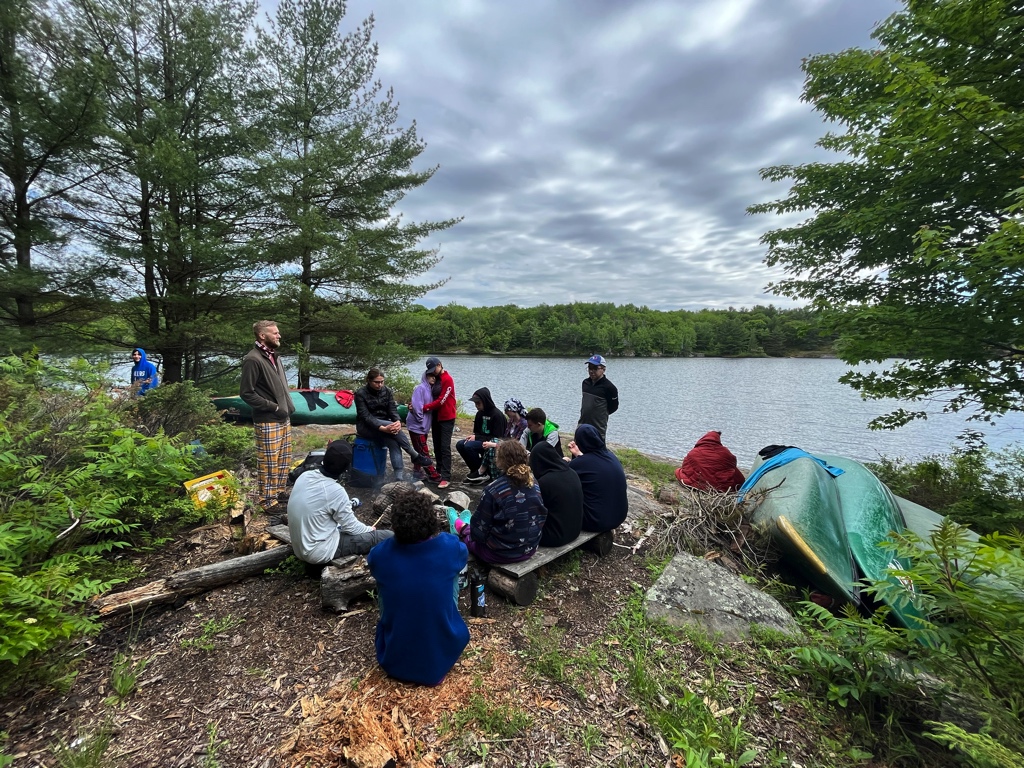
(800, 505)
(312, 406)
(871, 515)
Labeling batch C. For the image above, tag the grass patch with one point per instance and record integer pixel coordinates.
(500, 720)
(209, 632)
(658, 473)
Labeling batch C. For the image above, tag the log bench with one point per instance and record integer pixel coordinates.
(341, 580)
(518, 581)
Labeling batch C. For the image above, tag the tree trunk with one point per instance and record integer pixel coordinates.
(188, 583)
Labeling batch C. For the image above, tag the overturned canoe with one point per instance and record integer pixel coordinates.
(799, 503)
(312, 406)
(872, 515)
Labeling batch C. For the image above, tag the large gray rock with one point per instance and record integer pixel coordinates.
(692, 590)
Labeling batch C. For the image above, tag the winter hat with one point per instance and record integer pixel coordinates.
(337, 458)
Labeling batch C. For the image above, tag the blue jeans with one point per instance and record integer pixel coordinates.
(395, 445)
(472, 452)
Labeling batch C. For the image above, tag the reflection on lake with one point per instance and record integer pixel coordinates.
(666, 404)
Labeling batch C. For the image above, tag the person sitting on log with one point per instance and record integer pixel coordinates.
(320, 518)
(710, 466)
(420, 632)
(603, 479)
(507, 524)
(562, 493)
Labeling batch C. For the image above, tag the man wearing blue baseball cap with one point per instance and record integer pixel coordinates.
(600, 397)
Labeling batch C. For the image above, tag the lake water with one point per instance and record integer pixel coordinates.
(667, 404)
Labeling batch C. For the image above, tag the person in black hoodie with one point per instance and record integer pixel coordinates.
(488, 424)
(562, 493)
(604, 480)
(600, 397)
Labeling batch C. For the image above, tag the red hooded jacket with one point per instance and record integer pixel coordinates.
(445, 408)
(710, 466)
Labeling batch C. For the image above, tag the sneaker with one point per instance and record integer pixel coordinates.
(443, 484)
(422, 460)
(477, 479)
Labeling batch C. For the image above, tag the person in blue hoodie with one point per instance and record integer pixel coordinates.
(420, 632)
(144, 376)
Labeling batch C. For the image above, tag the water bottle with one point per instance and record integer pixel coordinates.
(463, 577)
(478, 596)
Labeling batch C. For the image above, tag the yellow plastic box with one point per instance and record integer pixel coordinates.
(217, 484)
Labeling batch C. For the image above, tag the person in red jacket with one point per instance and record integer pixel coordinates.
(710, 466)
(443, 409)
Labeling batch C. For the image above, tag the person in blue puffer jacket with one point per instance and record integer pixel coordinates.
(144, 376)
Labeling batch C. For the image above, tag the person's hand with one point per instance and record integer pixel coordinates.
(490, 445)
(574, 449)
(471, 438)
(395, 427)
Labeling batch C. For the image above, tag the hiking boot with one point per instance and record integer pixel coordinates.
(422, 460)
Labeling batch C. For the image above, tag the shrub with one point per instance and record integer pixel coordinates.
(75, 485)
(973, 594)
(977, 487)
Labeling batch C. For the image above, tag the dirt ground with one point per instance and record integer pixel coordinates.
(256, 673)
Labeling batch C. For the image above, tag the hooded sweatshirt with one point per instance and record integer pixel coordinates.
(444, 407)
(710, 466)
(144, 373)
(418, 420)
(562, 492)
(489, 422)
(603, 480)
(551, 437)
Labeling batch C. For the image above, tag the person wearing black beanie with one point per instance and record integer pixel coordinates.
(320, 518)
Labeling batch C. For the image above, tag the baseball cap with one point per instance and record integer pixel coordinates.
(597, 360)
(337, 458)
(432, 363)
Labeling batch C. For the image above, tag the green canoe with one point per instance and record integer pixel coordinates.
(312, 406)
(924, 521)
(871, 515)
(799, 502)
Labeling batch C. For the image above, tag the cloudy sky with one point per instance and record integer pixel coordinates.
(606, 150)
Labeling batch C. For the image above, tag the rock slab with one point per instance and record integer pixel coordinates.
(692, 590)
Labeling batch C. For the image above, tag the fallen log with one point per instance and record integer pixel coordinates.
(187, 583)
(341, 581)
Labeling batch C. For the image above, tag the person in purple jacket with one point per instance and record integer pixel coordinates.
(420, 632)
(418, 422)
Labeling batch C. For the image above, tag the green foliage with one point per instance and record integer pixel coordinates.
(209, 632)
(574, 329)
(75, 486)
(972, 647)
(172, 409)
(124, 675)
(915, 233)
(502, 720)
(980, 488)
(657, 472)
(86, 750)
(213, 746)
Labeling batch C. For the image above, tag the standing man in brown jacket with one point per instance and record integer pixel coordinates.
(264, 388)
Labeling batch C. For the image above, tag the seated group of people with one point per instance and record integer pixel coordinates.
(539, 498)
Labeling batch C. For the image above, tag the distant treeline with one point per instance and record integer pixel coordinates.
(572, 329)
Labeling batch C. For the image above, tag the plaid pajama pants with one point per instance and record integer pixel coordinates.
(273, 457)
